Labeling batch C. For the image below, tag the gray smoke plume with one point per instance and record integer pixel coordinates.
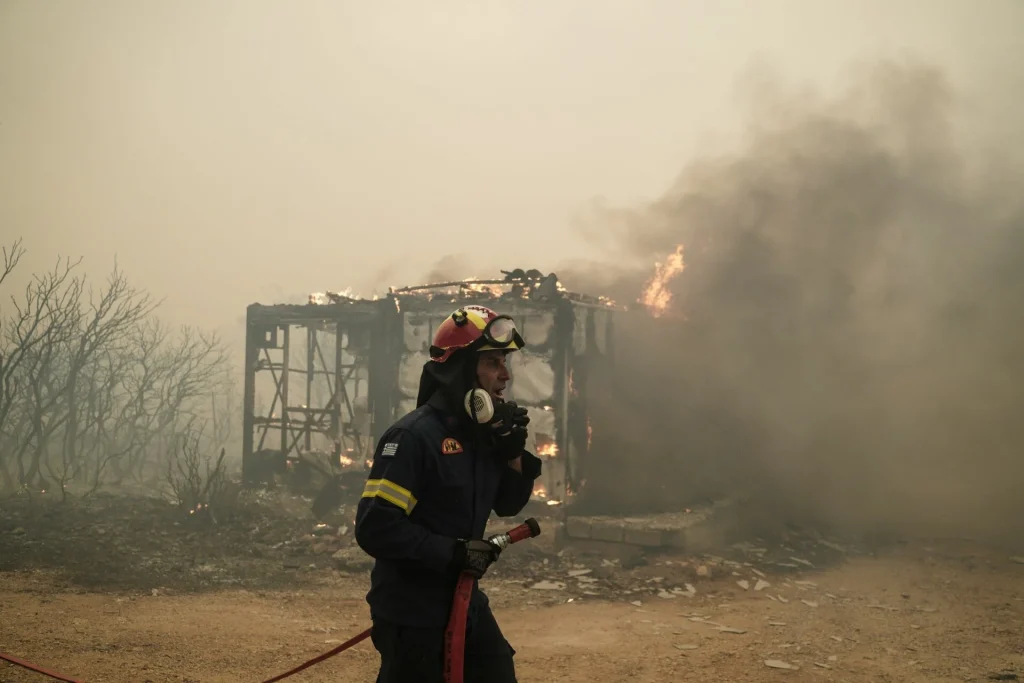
(846, 342)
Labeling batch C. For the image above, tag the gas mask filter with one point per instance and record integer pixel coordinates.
(478, 405)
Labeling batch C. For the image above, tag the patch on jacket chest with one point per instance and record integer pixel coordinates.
(450, 446)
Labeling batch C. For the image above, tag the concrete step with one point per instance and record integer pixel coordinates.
(679, 530)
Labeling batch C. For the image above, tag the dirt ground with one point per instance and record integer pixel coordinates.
(917, 611)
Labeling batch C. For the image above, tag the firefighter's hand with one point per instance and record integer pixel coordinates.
(511, 445)
(509, 425)
(474, 557)
(507, 417)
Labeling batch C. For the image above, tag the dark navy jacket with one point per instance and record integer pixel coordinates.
(433, 480)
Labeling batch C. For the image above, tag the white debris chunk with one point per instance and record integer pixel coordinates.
(548, 586)
(666, 595)
(761, 585)
(779, 664)
(685, 646)
(744, 584)
(579, 572)
(809, 603)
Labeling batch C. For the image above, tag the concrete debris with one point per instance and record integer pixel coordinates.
(806, 583)
(809, 603)
(1017, 560)
(836, 638)
(579, 572)
(686, 646)
(759, 573)
(779, 664)
(782, 599)
(821, 665)
(776, 623)
(548, 586)
(666, 595)
(729, 629)
(744, 584)
(636, 603)
(761, 585)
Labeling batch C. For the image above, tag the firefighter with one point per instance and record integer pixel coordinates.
(437, 475)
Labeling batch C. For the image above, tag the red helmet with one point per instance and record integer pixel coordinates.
(478, 327)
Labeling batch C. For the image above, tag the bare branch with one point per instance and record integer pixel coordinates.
(11, 256)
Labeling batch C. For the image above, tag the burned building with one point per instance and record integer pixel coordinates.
(326, 378)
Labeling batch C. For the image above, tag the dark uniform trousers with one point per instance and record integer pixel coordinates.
(410, 653)
(432, 483)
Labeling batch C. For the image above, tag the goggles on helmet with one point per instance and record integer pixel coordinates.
(501, 332)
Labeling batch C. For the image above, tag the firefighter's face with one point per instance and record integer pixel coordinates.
(492, 373)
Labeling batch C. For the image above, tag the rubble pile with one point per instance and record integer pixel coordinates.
(635, 575)
(272, 539)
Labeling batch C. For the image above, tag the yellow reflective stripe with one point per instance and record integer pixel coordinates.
(391, 492)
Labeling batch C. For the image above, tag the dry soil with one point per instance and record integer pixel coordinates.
(917, 613)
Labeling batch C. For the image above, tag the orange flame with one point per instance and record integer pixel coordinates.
(656, 295)
(547, 450)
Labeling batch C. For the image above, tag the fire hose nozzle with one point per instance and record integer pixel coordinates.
(527, 529)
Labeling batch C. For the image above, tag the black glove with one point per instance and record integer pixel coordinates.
(508, 416)
(474, 557)
(509, 428)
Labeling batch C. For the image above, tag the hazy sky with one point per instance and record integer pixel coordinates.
(233, 151)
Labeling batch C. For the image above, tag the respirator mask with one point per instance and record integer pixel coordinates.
(479, 405)
(503, 418)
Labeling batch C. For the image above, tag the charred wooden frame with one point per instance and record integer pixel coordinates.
(362, 359)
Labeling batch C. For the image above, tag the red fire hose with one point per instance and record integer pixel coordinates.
(454, 636)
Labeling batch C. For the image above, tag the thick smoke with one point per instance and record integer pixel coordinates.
(845, 343)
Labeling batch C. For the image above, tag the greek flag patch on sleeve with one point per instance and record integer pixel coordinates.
(389, 449)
